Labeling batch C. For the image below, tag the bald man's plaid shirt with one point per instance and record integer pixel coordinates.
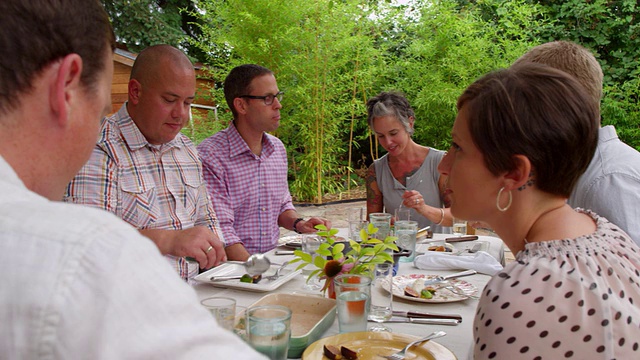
(148, 186)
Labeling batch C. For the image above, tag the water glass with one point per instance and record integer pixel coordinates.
(382, 221)
(353, 297)
(223, 310)
(459, 227)
(403, 214)
(381, 296)
(355, 217)
(269, 330)
(310, 243)
(406, 232)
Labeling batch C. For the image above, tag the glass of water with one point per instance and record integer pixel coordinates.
(381, 297)
(406, 232)
(353, 294)
(382, 221)
(310, 244)
(459, 226)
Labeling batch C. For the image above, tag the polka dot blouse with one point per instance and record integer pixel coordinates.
(564, 299)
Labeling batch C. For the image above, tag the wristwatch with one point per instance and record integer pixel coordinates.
(295, 224)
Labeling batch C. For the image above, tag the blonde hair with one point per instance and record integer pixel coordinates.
(573, 59)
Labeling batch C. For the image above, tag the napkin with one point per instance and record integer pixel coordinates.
(481, 262)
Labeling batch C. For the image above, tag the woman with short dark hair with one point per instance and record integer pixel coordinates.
(521, 139)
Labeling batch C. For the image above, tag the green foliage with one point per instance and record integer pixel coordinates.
(141, 23)
(331, 56)
(361, 257)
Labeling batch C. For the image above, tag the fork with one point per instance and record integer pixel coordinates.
(456, 290)
(400, 355)
(276, 275)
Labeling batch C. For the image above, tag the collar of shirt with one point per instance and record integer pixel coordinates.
(134, 138)
(237, 145)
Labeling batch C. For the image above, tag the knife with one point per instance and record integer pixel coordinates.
(416, 314)
(440, 278)
(396, 319)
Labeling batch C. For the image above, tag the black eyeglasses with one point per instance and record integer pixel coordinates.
(268, 99)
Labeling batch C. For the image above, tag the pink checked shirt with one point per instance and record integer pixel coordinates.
(148, 186)
(249, 192)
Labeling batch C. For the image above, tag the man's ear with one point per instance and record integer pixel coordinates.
(66, 86)
(135, 91)
(240, 105)
(519, 176)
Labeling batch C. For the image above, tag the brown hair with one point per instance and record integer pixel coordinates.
(390, 104)
(536, 111)
(238, 82)
(573, 59)
(35, 33)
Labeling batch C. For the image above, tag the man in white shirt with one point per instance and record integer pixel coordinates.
(77, 282)
(611, 184)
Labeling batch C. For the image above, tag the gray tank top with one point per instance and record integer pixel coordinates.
(425, 181)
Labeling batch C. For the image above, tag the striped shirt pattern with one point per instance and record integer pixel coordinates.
(249, 192)
(148, 186)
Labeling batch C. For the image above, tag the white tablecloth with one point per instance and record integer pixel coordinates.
(459, 338)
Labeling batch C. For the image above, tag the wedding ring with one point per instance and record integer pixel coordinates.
(417, 201)
(209, 249)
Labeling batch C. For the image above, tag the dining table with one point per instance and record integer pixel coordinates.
(459, 338)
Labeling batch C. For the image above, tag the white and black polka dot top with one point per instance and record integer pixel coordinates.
(564, 299)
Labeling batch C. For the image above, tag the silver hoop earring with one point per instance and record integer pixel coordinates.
(503, 209)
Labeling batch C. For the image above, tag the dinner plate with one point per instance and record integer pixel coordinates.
(441, 295)
(292, 241)
(424, 248)
(371, 344)
(263, 285)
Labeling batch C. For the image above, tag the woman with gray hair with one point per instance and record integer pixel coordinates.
(407, 175)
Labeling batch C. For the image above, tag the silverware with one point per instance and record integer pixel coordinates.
(256, 264)
(224, 278)
(400, 355)
(461, 238)
(412, 320)
(276, 275)
(417, 314)
(284, 252)
(441, 278)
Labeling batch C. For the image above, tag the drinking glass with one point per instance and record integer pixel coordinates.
(353, 296)
(382, 221)
(223, 310)
(402, 214)
(355, 218)
(406, 232)
(381, 296)
(269, 330)
(310, 244)
(459, 227)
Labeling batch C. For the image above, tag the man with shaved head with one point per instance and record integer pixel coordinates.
(148, 173)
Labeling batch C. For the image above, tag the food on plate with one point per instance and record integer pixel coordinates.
(418, 290)
(332, 352)
(246, 278)
(426, 294)
(441, 248)
(410, 291)
(348, 353)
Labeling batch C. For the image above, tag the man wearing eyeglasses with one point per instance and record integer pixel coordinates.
(245, 168)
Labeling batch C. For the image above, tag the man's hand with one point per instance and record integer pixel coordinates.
(197, 242)
(309, 226)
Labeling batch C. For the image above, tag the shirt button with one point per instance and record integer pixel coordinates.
(264, 233)
(264, 209)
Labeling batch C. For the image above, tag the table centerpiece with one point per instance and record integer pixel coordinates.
(339, 257)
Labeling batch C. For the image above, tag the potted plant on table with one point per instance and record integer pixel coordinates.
(335, 257)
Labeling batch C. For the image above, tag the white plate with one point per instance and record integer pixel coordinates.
(287, 273)
(441, 296)
(293, 241)
(424, 247)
